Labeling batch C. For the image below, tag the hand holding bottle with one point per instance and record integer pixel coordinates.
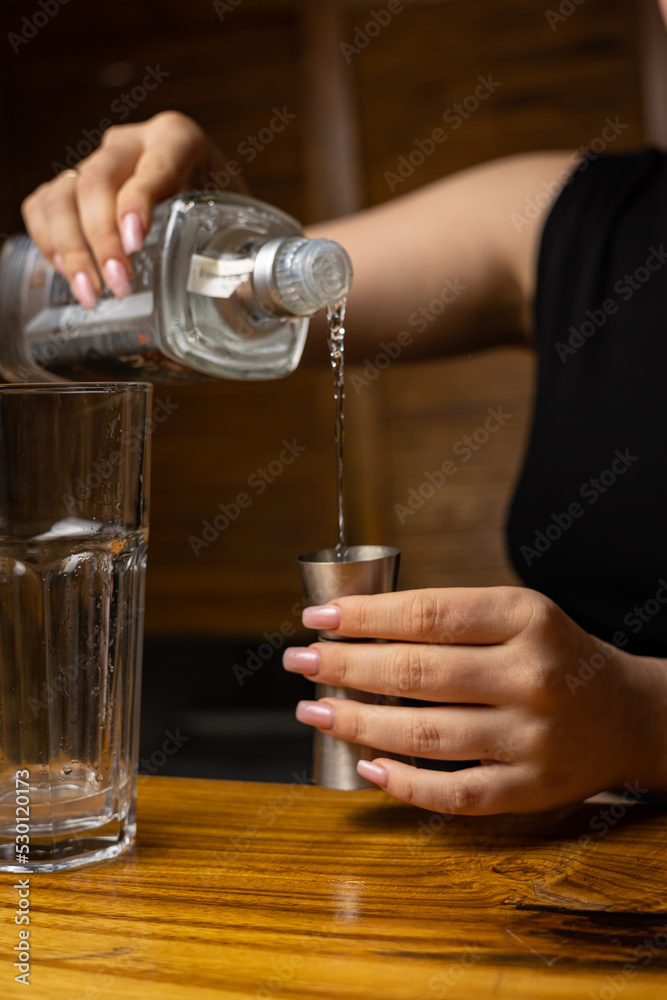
(88, 221)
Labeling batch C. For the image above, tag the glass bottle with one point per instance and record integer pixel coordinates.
(223, 287)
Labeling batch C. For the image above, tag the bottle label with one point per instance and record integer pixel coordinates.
(217, 276)
(133, 308)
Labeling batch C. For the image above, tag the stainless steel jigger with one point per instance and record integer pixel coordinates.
(368, 569)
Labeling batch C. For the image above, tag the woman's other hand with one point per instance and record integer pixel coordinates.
(555, 714)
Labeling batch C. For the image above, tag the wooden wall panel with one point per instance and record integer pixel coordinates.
(557, 89)
(246, 579)
(229, 75)
(654, 73)
(452, 534)
(401, 427)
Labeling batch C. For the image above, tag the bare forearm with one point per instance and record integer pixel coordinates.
(445, 264)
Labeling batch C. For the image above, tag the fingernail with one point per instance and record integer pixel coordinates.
(59, 264)
(315, 714)
(131, 233)
(322, 616)
(116, 278)
(301, 661)
(373, 772)
(84, 291)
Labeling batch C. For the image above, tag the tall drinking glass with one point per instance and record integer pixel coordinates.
(74, 494)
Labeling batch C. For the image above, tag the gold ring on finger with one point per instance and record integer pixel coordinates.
(70, 173)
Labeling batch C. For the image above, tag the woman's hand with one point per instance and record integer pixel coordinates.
(88, 221)
(508, 668)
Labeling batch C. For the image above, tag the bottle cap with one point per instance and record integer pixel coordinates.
(297, 276)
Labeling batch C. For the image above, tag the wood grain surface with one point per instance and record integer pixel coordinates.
(257, 890)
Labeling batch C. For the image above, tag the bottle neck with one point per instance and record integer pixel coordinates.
(263, 278)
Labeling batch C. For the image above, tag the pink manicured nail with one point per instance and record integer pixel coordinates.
(59, 264)
(315, 714)
(84, 291)
(301, 661)
(322, 616)
(131, 233)
(373, 772)
(117, 279)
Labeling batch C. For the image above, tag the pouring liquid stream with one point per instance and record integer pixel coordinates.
(336, 344)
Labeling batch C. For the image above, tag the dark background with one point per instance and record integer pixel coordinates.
(67, 71)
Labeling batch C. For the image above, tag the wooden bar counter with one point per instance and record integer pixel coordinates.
(247, 890)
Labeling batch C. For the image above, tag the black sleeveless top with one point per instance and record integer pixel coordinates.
(588, 523)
